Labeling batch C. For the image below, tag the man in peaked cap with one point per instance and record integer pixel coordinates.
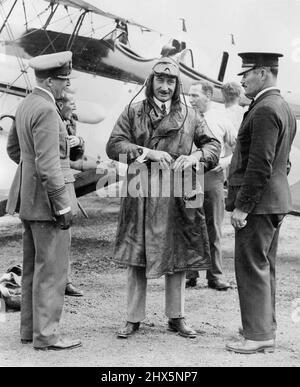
(158, 235)
(56, 66)
(61, 67)
(259, 197)
(43, 194)
(254, 60)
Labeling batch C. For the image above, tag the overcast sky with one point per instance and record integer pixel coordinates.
(257, 25)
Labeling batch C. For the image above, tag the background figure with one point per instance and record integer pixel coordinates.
(43, 194)
(67, 107)
(200, 95)
(259, 197)
(159, 235)
(232, 92)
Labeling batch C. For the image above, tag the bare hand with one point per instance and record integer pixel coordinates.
(238, 219)
(184, 162)
(74, 141)
(162, 157)
(217, 169)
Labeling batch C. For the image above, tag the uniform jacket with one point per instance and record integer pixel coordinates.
(258, 173)
(160, 233)
(38, 142)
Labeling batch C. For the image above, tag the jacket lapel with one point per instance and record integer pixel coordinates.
(260, 98)
(167, 127)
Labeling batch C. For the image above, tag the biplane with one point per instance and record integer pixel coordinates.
(109, 74)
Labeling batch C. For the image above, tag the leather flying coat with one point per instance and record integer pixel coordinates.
(161, 233)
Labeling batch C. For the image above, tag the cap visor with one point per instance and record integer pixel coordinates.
(70, 76)
(244, 71)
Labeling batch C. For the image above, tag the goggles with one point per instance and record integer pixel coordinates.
(166, 68)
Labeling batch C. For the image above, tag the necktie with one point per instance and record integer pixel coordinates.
(163, 109)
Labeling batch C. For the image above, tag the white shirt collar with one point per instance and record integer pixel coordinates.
(264, 91)
(46, 91)
(167, 104)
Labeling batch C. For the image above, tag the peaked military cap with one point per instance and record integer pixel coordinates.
(57, 65)
(166, 66)
(252, 60)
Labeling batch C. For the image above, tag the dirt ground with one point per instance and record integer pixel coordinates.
(96, 317)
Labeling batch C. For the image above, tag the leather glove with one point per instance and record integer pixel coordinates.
(64, 221)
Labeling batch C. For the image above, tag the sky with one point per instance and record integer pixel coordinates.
(257, 25)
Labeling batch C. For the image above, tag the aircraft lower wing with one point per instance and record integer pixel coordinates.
(91, 180)
(85, 182)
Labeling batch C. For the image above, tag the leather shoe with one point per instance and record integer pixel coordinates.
(129, 329)
(249, 347)
(26, 341)
(72, 291)
(191, 283)
(218, 285)
(179, 325)
(61, 345)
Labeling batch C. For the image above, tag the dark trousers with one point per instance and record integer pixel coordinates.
(45, 265)
(214, 215)
(255, 256)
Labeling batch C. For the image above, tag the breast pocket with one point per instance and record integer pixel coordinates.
(64, 146)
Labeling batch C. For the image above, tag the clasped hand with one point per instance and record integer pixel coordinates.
(184, 162)
(165, 160)
(162, 157)
(74, 141)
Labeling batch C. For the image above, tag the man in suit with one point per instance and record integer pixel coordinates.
(43, 194)
(200, 95)
(259, 197)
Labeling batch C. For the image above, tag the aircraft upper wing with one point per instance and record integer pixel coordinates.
(89, 7)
